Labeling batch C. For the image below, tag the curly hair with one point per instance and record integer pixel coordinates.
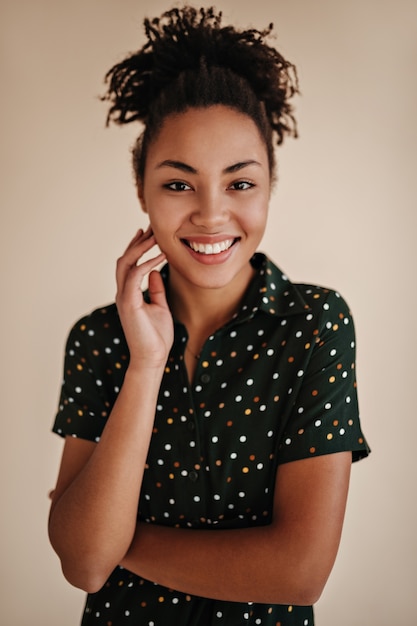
(191, 60)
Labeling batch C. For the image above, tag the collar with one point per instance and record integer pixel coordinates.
(271, 291)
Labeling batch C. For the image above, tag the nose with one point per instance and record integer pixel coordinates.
(210, 211)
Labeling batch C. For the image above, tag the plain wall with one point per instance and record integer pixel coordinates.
(343, 215)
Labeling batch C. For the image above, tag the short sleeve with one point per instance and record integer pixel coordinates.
(325, 414)
(94, 365)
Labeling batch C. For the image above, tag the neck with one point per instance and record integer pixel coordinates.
(201, 310)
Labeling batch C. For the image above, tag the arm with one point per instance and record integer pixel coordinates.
(94, 505)
(287, 562)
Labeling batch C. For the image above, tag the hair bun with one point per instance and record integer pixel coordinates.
(181, 40)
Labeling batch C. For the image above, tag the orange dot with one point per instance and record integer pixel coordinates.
(170, 420)
(314, 392)
(291, 359)
(248, 411)
(205, 364)
(276, 398)
(218, 462)
(245, 470)
(335, 422)
(329, 436)
(312, 450)
(233, 354)
(221, 405)
(229, 423)
(332, 379)
(335, 326)
(252, 457)
(307, 346)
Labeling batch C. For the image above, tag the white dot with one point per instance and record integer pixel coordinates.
(348, 399)
(78, 389)
(262, 407)
(270, 433)
(219, 362)
(288, 441)
(215, 439)
(342, 431)
(238, 398)
(233, 455)
(317, 423)
(249, 382)
(242, 438)
(333, 352)
(300, 373)
(260, 466)
(241, 494)
(270, 352)
(196, 498)
(328, 405)
(167, 446)
(216, 496)
(233, 333)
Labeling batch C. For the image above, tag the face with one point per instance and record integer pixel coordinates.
(206, 190)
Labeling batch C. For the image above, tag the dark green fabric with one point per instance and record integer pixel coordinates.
(275, 384)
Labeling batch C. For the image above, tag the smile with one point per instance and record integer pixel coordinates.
(210, 248)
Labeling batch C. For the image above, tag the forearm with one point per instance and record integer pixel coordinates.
(258, 564)
(93, 521)
(286, 562)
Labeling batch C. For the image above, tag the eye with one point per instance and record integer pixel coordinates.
(177, 185)
(241, 185)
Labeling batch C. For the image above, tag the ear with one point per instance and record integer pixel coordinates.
(139, 191)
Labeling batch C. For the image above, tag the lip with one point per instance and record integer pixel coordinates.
(207, 258)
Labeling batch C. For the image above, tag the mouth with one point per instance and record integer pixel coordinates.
(210, 248)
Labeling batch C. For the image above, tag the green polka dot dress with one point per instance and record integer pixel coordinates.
(275, 384)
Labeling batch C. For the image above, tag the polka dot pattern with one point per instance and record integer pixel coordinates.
(276, 384)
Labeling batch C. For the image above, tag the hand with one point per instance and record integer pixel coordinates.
(148, 327)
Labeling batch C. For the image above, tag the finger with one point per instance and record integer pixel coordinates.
(136, 275)
(131, 257)
(157, 289)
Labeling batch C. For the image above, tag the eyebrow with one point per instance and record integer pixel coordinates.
(184, 167)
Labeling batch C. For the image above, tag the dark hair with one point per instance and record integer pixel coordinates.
(191, 60)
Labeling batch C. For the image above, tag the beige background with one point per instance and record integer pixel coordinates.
(343, 216)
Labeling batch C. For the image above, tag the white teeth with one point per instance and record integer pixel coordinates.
(211, 248)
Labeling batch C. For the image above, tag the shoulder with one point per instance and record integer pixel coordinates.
(311, 300)
(100, 325)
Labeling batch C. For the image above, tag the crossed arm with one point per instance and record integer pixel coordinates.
(287, 562)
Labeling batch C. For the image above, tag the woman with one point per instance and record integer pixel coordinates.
(210, 422)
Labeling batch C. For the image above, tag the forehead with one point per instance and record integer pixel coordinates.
(201, 134)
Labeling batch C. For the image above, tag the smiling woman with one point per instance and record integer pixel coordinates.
(210, 422)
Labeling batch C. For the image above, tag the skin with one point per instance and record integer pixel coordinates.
(206, 182)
